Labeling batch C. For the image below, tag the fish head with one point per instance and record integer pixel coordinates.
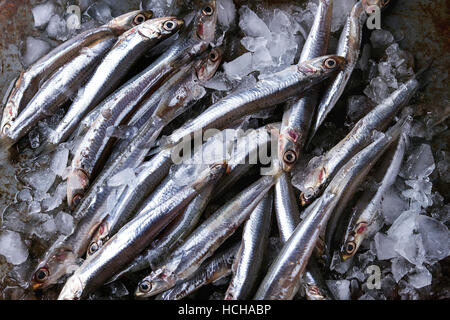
(56, 264)
(353, 240)
(159, 28)
(129, 20)
(208, 64)
(157, 282)
(313, 181)
(206, 21)
(289, 144)
(77, 184)
(99, 238)
(322, 66)
(72, 290)
(313, 292)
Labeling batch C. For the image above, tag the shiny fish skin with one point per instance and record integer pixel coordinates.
(62, 256)
(286, 207)
(349, 46)
(362, 220)
(30, 80)
(272, 90)
(129, 47)
(58, 88)
(125, 100)
(321, 169)
(288, 217)
(282, 280)
(247, 263)
(213, 269)
(126, 244)
(299, 113)
(205, 240)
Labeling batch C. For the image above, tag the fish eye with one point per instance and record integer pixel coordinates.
(350, 247)
(93, 248)
(139, 19)
(169, 25)
(207, 11)
(41, 275)
(330, 63)
(213, 56)
(290, 157)
(145, 286)
(76, 199)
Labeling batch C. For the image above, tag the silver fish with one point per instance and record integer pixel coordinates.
(30, 80)
(272, 90)
(283, 278)
(349, 46)
(322, 169)
(129, 47)
(247, 263)
(118, 106)
(213, 269)
(126, 244)
(205, 240)
(299, 113)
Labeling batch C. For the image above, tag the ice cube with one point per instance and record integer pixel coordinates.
(377, 90)
(57, 28)
(100, 11)
(338, 265)
(254, 43)
(280, 22)
(218, 82)
(282, 48)
(226, 12)
(59, 161)
(251, 24)
(40, 180)
(420, 164)
(64, 223)
(341, 10)
(381, 38)
(261, 58)
(442, 214)
(305, 18)
(392, 205)
(419, 277)
(387, 74)
(124, 177)
(42, 13)
(34, 207)
(35, 49)
(384, 246)
(357, 107)
(12, 247)
(54, 201)
(239, 67)
(435, 238)
(420, 193)
(400, 267)
(356, 273)
(24, 195)
(339, 288)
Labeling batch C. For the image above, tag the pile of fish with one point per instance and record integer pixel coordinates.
(175, 154)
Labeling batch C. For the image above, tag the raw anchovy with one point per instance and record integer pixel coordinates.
(349, 46)
(29, 81)
(59, 88)
(213, 269)
(247, 263)
(272, 90)
(124, 101)
(283, 278)
(129, 47)
(205, 240)
(299, 113)
(362, 221)
(288, 217)
(63, 255)
(322, 169)
(126, 244)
